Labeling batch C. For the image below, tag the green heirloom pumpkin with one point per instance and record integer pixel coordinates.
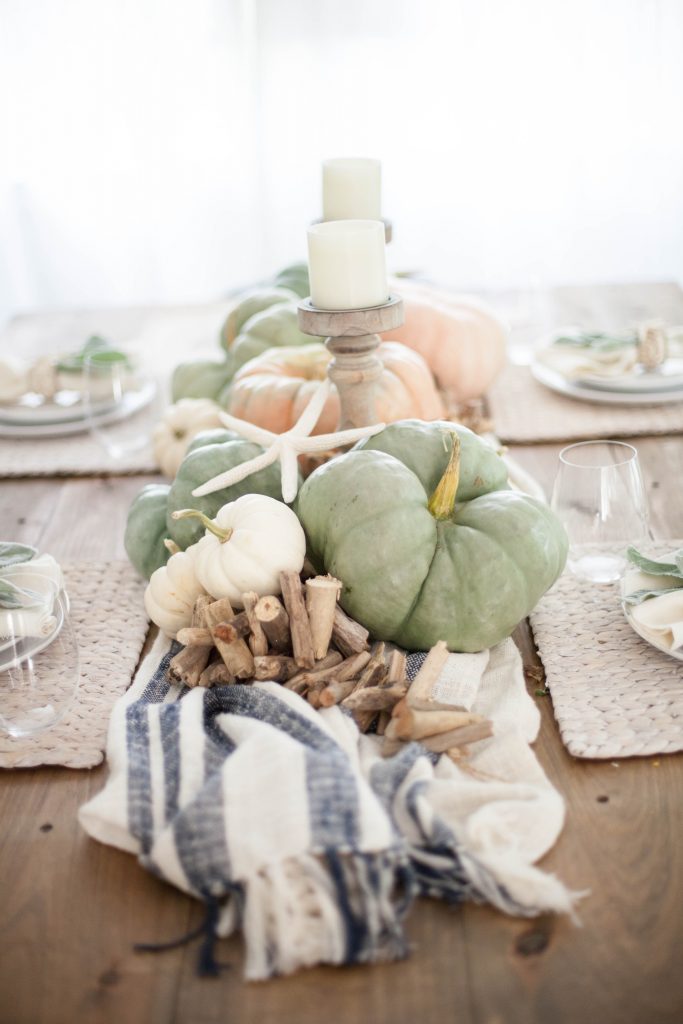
(201, 465)
(219, 435)
(295, 277)
(146, 529)
(273, 328)
(250, 304)
(464, 565)
(201, 378)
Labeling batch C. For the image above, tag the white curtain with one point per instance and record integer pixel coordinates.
(165, 151)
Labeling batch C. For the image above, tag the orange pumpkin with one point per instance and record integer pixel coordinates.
(462, 342)
(273, 389)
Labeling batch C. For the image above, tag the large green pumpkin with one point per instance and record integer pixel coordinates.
(201, 378)
(275, 327)
(146, 529)
(202, 464)
(253, 302)
(295, 276)
(427, 540)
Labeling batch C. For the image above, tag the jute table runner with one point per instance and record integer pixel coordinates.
(613, 694)
(525, 411)
(110, 625)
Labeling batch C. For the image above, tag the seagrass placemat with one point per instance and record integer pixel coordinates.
(525, 411)
(110, 625)
(613, 694)
(79, 455)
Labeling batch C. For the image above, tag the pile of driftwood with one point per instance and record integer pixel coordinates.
(306, 642)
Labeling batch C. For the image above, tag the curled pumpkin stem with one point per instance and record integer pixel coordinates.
(442, 501)
(208, 524)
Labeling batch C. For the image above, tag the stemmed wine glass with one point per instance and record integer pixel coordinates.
(600, 498)
(122, 403)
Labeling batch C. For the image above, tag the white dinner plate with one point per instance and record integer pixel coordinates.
(575, 389)
(626, 589)
(67, 407)
(131, 403)
(667, 377)
(12, 654)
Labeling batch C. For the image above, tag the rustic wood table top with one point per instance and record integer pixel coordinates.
(72, 908)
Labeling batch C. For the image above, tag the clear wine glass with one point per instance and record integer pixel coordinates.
(600, 498)
(122, 403)
(39, 662)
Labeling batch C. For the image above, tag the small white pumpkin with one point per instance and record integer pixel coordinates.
(179, 425)
(172, 592)
(246, 547)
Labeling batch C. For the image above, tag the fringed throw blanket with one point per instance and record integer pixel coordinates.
(290, 826)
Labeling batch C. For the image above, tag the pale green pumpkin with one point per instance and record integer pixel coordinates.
(201, 378)
(428, 544)
(295, 276)
(146, 529)
(253, 302)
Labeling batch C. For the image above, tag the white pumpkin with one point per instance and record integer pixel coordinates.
(179, 425)
(246, 547)
(172, 592)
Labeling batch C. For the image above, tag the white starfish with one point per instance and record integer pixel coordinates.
(286, 447)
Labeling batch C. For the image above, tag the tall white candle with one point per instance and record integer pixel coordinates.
(352, 189)
(347, 264)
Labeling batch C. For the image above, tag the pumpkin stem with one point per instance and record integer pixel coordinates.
(208, 524)
(171, 546)
(442, 501)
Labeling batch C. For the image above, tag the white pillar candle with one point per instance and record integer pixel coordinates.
(347, 264)
(352, 189)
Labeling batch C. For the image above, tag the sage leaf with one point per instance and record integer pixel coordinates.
(15, 554)
(654, 568)
(638, 596)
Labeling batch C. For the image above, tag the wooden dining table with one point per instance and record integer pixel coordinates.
(73, 908)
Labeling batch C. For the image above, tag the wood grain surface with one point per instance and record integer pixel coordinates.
(72, 908)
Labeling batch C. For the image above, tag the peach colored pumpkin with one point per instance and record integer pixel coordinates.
(273, 389)
(463, 343)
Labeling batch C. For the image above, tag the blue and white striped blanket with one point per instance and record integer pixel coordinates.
(291, 826)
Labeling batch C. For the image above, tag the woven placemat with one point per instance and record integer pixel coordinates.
(110, 624)
(613, 694)
(525, 411)
(68, 456)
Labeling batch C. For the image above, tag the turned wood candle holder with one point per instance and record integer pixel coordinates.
(352, 336)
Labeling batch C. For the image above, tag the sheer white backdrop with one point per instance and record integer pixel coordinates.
(169, 150)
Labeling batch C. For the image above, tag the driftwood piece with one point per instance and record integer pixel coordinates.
(375, 698)
(458, 737)
(322, 594)
(258, 641)
(348, 636)
(236, 654)
(188, 664)
(216, 673)
(320, 670)
(375, 672)
(299, 626)
(396, 669)
(382, 722)
(409, 724)
(351, 667)
(274, 622)
(420, 692)
(277, 667)
(335, 691)
(192, 636)
(237, 627)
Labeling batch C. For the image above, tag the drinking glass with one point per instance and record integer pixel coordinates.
(122, 403)
(600, 498)
(39, 663)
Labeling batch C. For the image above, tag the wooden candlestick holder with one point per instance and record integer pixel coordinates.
(352, 336)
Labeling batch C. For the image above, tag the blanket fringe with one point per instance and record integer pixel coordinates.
(336, 908)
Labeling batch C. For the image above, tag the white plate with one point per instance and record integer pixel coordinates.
(131, 403)
(574, 389)
(68, 406)
(12, 655)
(667, 377)
(626, 589)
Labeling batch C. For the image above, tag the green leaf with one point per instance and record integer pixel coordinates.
(14, 596)
(654, 568)
(596, 340)
(638, 596)
(15, 554)
(97, 349)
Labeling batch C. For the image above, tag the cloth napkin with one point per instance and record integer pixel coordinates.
(42, 576)
(290, 825)
(659, 616)
(574, 361)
